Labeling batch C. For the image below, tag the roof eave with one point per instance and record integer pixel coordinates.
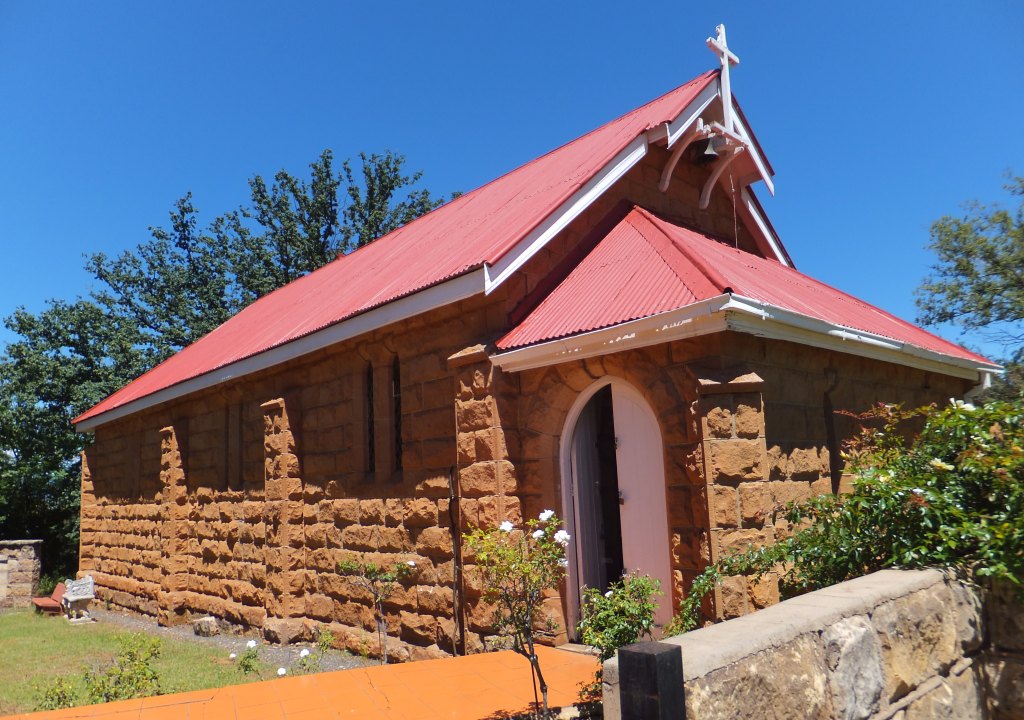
(745, 315)
(431, 298)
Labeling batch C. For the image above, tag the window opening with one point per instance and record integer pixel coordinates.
(371, 451)
(396, 397)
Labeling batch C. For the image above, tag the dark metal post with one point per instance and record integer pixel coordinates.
(651, 682)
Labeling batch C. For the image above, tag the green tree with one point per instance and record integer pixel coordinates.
(65, 359)
(977, 282)
(176, 287)
(173, 288)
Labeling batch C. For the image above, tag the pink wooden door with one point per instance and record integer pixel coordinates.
(642, 510)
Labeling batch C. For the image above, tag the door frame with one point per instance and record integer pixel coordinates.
(568, 488)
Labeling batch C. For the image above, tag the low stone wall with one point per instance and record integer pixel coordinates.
(895, 644)
(19, 572)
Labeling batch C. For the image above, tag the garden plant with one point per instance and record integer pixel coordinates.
(950, 495)
(380, 581)
(518, 565)
(131, 675)
(621, 615)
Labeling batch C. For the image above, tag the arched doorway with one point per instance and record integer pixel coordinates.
(613, 492)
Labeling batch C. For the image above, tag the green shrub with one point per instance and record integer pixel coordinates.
(249, 661)
(61, 693)
(131, 676)
(47, 584)
(950, 496)
(620, 616)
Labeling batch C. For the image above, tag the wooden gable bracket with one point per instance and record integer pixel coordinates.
(731, 137)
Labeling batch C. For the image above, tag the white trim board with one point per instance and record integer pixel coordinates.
(431, 298)
(583, 198)
(745, 315)
(761, 222)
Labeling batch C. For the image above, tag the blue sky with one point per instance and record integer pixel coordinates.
(878, 117)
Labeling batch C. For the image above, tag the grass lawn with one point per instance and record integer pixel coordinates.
(35, 649)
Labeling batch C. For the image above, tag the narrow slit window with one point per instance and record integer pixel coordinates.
(396, 398)
(371, 450)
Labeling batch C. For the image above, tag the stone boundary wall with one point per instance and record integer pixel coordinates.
(895, 644)
(19, 572)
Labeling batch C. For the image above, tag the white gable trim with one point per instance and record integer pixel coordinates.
(568, 211)
(431, 298)
(583, 198)
(761, 222)
(741, 314)
(762, 166)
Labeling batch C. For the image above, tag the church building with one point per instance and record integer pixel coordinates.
(613, 331)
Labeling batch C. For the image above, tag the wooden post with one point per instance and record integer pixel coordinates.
(651, 682)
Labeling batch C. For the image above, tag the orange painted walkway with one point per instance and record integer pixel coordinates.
(491, 685)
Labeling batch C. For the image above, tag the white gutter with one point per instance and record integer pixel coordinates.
(746, 315)
(700, 318)
(430, 298)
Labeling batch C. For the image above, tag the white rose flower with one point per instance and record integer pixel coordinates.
(608, 594)
(251, 644)
(281, 671)
(562, 537)
(506, 526)
(232, 656)
(546, 515)
(538, 534)
(304, 653)
(940, 465)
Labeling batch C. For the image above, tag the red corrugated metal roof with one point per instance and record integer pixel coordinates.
(647, 265)
(476, 228)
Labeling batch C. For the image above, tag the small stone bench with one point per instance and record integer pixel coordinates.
(77, 596)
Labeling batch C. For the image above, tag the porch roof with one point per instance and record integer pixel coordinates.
(647, 266)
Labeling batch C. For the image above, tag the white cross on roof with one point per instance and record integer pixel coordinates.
(727, 58)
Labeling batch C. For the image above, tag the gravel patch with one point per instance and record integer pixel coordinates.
(273, 656)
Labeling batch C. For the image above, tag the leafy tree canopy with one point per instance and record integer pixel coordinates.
(173, 288)
(977, 282)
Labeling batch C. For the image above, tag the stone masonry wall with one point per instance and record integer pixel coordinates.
(745, 428)
(243, 504)
(771, 434)
(907, 645)
(19, 572)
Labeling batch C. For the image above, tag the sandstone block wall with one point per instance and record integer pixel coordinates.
(772, 428)
(240, 500)
(19, 572)
(895, 644)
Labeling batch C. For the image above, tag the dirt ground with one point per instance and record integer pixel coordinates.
(272, 656)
